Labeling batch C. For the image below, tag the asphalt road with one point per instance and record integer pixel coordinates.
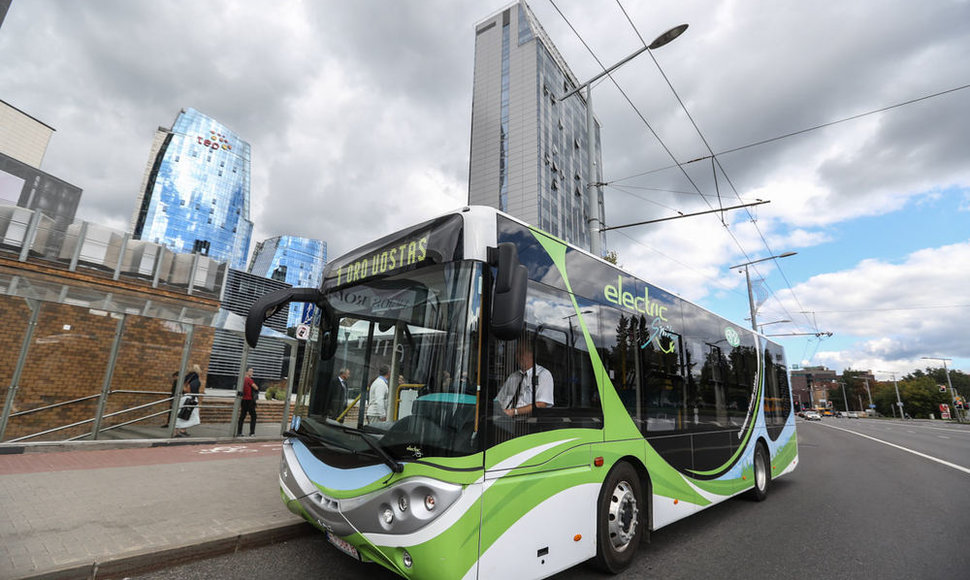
(855, 508)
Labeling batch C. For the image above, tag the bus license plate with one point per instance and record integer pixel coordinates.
(343, 546)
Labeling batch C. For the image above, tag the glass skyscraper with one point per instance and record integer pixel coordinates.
(195, 195)
(528, 148)
(297, 261)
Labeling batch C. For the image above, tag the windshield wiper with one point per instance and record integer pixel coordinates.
(382, 454)
(378, 450)
(313, 438)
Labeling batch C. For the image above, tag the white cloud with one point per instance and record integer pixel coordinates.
(359, 118)
(893, 313)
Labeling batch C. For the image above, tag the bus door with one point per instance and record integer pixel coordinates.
(539, 500)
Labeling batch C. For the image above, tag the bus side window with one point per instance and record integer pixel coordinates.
(557, 343)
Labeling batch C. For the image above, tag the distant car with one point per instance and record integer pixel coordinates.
(827, 413)
(853, 415)
(843, 415)
(812, 416)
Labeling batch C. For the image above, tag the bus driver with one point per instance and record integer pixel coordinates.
(515, 396)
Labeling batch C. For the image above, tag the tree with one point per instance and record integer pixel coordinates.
(612, 257)
(935, 377)
(855, 387)
(919, 392)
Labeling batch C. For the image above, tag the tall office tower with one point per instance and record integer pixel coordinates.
(195, 194)
(297, 261)
(528, 148)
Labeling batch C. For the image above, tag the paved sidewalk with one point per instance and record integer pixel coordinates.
(105, 509)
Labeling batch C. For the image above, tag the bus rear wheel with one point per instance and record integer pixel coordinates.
(762, 474)
(619, 525)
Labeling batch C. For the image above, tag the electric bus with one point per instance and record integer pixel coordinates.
(632, 407)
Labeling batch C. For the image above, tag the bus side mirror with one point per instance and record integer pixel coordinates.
(508, 301)
(269, 304)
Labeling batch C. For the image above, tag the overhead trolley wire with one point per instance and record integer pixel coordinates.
(800, 131)
(664, 146)
(714, 160)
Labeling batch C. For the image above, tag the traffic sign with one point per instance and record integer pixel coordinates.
(303, 331)
(306, 317)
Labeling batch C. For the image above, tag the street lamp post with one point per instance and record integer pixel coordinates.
(747, 278)
(899, 402)
(593, 185)
(949, 385)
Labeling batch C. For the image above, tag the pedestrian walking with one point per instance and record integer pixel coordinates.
(249, 398)
(188, 415)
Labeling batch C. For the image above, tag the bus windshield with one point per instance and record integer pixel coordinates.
(401, 372)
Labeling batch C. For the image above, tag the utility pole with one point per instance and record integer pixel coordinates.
(899, 402)
(747, 279)
(948, 384)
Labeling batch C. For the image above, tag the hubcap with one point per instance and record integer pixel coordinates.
(623, 516)
(760, 471)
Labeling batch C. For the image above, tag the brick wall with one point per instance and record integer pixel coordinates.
(68, 359)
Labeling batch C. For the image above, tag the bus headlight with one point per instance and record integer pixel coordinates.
(400, 505)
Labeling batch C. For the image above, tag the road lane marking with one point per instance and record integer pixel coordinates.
(921, 427)
(906, 449)
(942, 436)
(961, 431)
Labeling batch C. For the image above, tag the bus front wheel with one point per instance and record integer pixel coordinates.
(619, 521)
(762, 474)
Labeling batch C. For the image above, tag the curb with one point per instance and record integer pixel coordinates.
(138, 563)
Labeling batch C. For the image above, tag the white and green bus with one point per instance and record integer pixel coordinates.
(487, 401)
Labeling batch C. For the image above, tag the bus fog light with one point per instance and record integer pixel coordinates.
(406, 558)
(388, 516)
(429, 502)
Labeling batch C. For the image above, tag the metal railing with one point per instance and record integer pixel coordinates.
(96, 419)
(227, 400)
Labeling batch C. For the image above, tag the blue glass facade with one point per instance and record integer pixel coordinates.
(196, 196)
(291, 259)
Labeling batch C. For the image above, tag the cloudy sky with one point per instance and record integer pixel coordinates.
(359, 118)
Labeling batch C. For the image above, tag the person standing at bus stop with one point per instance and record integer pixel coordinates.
(250, 394)
(377, 396)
